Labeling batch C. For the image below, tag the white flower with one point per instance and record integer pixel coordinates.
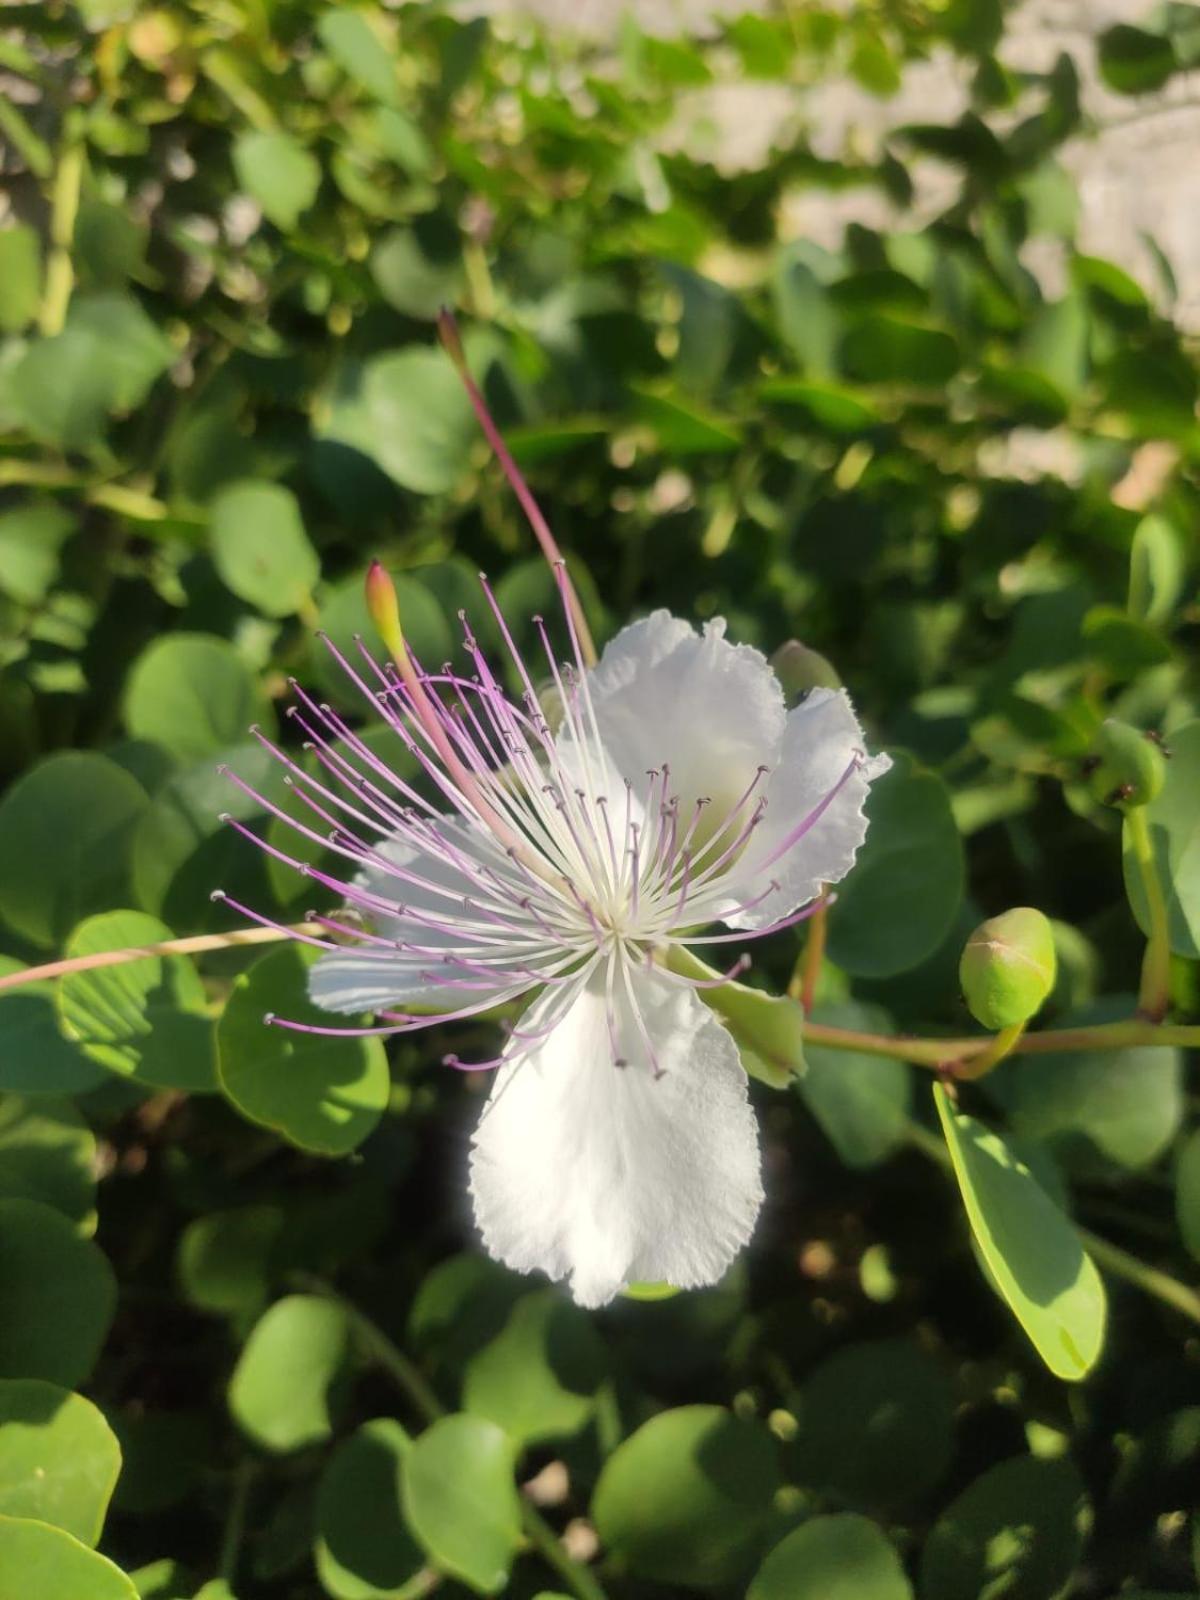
(618, 1144)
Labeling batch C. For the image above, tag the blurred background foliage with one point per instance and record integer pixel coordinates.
(227, 228)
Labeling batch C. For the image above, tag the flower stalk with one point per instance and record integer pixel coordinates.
(1155, 989)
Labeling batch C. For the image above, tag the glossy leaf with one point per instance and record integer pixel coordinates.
(37, 1559)
(284, 1384)
(279, 173)
(364, 1550)
(861, 1101)
(323, 1094)
(538, 1377)
(146, 1019)
(1174, 822)
(832, 1558)
(460, 1501)
(193, 694)
(59, 1459)
(48, 1153)
(260, 547)
(59, 1296)
(1031, 1249)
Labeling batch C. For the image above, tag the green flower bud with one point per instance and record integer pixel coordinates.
(1127, 767)
(799, 669)
(1008, 967)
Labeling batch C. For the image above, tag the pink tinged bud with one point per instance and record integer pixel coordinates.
(384, 610)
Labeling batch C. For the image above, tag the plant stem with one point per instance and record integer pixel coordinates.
(166, 947)
(1155, 991)
(412, 1384)
(64, 207)
(1002, 1044)
(814, 955)
(235, 1521)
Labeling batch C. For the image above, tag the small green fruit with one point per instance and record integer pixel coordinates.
(1127, 767)
(1008, 967)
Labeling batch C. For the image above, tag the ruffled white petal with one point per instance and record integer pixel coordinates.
(607, 1175)
(713, 711)
(369, 978)
(819, 742)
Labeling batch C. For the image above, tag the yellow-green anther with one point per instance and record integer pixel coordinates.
(1008, 968)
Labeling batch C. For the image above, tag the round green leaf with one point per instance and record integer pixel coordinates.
(279, 173)
(875, 1424)
(1157, 569)
(164, 1456)
(538, 1377)
(1174, 821)
(260, 548)
(419, 269)
(1030, 1247)
(30, 537)
(35, 1059)
(364, 1551)
(59, 1296)
(903, 892)
(36, 1559)
(65, 831)
(182, 850)
(1017, 1531)
(1133, 61)
(48, 1153)
(59, 1459)
(1187, 1192)
(887, 349)
(224, 1259)
(860, 1101)
(145, 1019)
(280, 1391)
(460, 1501)
(832, 1558)
(324, 1094)
(1098, 1109)
(687, 1498)
(193, 694)
(409, 414)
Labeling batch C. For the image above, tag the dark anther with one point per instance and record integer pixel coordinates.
(1123, 791)
(1088, 765)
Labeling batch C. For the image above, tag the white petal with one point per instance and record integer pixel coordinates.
(819, 742)
(713, 711)
(369, 978)
(607, 1175)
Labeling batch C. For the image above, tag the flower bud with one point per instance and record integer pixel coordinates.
(1008, 967)
(799, 669)
(383, 608)
(1127, 767)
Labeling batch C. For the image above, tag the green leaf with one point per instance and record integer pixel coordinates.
(885, 349)
(832, 1558)
(876, 1425)
(60, 859)
(905, 888)
(829, 405)
(284, 1385)
(1157, 570)
(105, 360)
(861, 1101)
(409, 414)
(1133, 61)
(364, 1551)
(145, 1019)
(59, 1459)
(460, 1501)
(36, 1559)
(1187, 1192)
(687, 1498)
(35, 1059)
(1097, 1109)
(224, 1259)
(48, 1153)
(260, 548)
(1031, 1249)
(30, 537)
(193, 694)
(419, 269)
(682, 429)
(538, 1377)
(1174, 821)
(1016, 1531)
(324, 1094)
(21, 275)
(361, 52)
(59, 1296)
(278, 172)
